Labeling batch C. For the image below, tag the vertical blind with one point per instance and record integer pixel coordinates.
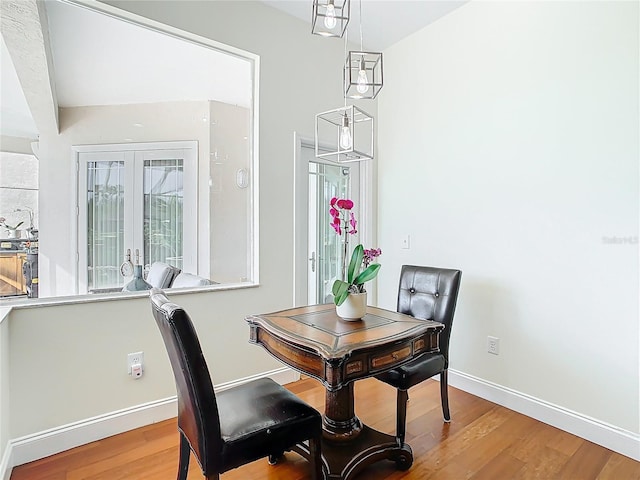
(105, 236)
(163, 211)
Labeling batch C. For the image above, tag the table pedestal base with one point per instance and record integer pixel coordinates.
(344, 460)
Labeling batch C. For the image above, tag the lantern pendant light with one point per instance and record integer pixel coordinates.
(362, 71)
(330, 17)
(362, 74)
(344, 135)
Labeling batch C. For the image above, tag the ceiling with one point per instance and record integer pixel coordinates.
(101, 60)
(384, 22)
(118, 75)
(15, 119)
(136, 64)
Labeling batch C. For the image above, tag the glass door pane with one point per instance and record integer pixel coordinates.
(325, 182)
(163, 217)
(105, 223)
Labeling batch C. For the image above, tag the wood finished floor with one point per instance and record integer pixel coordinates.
(483, 441)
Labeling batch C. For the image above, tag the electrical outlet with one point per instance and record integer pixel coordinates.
(134, 359)
(493, 345)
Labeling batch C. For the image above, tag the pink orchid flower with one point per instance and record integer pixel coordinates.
(345, 204)
(353, 223)
(336, 225)
(342, 223)
(370, 255)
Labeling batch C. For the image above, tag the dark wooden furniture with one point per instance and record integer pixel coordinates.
(316, 342)
(425, 293)
(238, 425)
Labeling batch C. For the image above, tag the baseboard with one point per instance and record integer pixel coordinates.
(617, 439)
(42, 444)
(5, 470)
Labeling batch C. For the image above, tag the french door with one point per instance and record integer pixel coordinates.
(325, 252)
(317, 252)
(137, 198)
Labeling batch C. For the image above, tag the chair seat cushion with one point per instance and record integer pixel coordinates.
(184, 279)
(261, 417)
(414, 372)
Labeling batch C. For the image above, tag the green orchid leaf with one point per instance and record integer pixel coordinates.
(340, 291)
(369, 274)
(354, 264)
(340, 300)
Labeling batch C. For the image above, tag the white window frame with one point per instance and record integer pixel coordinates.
(134, 155)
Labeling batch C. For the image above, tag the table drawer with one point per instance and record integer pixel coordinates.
(393, 357)
(292, 355)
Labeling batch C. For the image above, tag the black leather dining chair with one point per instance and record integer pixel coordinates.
(236, 426)
(427, 293)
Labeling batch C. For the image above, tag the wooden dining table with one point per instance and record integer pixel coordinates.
(316, 342)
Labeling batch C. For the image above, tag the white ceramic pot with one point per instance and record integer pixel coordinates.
(14, 233)
(353, 308)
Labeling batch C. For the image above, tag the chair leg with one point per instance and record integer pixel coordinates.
(274, 458)
(401, 415)
(185, 452)
(315, 454)
(444, 395)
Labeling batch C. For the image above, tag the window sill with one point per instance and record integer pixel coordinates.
(110, 297)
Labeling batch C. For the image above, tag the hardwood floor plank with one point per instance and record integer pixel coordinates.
(619, 467)
(565, 442)
(500, 466)
(587, 462)
(543, 463)
(491, 446)
(483, 441)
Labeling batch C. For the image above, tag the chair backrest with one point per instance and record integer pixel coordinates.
(189, 280)
(198, 417)
(430, 293)
(161, 275)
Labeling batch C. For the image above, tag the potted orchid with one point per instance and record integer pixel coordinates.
(361, 267)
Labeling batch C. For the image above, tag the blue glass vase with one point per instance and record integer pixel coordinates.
(138, 283)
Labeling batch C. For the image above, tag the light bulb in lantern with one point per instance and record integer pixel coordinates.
(345, 133)
(362, 84)
(330, 16)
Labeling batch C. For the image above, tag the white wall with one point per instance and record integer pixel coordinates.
(47, 390)
(230, 205)
(4, 383)
(508, 137)
(80, 369)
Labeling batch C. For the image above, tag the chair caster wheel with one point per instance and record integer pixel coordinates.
(273, 458)
(404, 459)
(404, 464)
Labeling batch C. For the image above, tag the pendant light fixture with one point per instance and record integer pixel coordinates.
(362, 71)
(363, 74)
(344, 135)
(330, 17)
